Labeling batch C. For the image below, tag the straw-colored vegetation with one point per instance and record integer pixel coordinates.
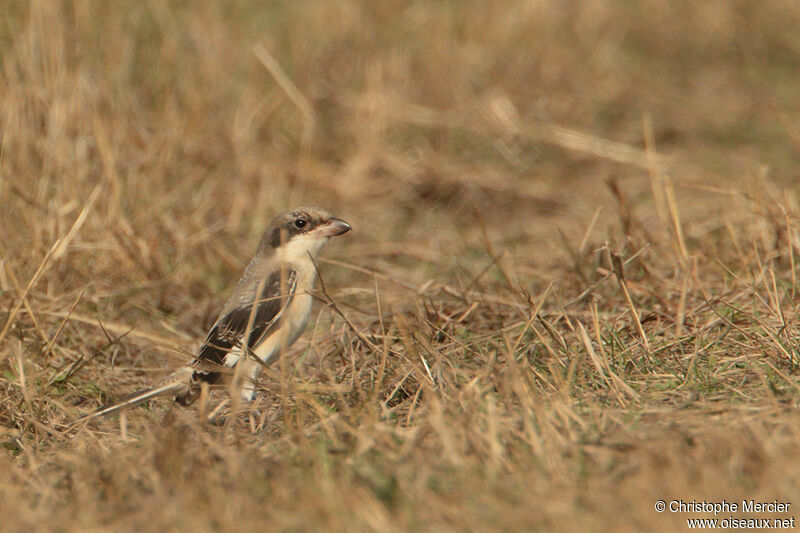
(570, 290)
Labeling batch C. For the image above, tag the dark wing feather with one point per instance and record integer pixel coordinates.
(229, 331)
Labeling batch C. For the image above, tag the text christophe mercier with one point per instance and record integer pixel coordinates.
(724, 506)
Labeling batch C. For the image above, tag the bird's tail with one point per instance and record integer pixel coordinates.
(177, 383)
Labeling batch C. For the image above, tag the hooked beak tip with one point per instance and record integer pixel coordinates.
(335, 226)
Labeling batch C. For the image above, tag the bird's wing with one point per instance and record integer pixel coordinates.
(229, 331)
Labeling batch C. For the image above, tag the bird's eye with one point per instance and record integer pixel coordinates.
(300, 223)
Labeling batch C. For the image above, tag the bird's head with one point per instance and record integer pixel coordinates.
(302, 231)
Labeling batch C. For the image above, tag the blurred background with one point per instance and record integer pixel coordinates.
(204, 118)
(157, 140)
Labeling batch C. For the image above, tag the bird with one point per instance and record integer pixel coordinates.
(267, 311)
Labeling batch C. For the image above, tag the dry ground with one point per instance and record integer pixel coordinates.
(570, 290)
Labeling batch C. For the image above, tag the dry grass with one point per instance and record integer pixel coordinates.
(571, 276)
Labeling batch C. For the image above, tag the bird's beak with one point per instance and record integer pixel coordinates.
(333, 227)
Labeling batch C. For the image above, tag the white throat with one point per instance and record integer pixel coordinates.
(300, 247)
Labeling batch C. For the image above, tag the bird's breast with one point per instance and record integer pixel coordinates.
(293, 322)
(298, 315)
